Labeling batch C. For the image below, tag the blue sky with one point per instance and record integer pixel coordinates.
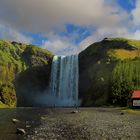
(128, 5)
(65, 27)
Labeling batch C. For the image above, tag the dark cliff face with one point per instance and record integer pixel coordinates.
(25, 71)
(98, 65)
(33, 82)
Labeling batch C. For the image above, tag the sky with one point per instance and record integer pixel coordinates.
(66, 27)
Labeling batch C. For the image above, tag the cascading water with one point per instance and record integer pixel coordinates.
(64, 81)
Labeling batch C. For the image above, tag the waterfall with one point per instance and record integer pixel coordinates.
(63, 86)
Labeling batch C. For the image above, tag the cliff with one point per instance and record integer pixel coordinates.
(24, 69)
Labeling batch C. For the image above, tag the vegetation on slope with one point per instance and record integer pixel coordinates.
(109, 71)
(125, 79)
(16, 58)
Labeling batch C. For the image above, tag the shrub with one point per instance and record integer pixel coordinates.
(121, 92)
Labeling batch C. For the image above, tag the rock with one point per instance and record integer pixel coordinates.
(102, 79)
(43, 118)
(121, 113)
(98, 62)
(15, 120)
(28, 126)
(75, 111)
(20, 131)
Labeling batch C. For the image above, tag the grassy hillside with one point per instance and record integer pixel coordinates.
(103, 64)
(16, 58)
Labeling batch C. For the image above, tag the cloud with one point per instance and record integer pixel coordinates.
(136, 13)
(47, 15)
(63, 45)
(101, 33)
(136, 35)
(12, 34)
(59, 45)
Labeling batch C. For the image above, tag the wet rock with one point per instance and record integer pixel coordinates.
(43, 118)
(121, 113)
(15, 120)
(28, 126)
(74, 111)
(20, 131)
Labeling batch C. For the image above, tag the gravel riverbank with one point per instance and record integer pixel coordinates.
(70, 124)
(87, 124)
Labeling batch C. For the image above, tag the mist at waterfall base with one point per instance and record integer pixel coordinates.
(63, 87)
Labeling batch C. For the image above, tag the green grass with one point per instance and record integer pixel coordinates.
(134, 111)
(128, 70)
(6, 106)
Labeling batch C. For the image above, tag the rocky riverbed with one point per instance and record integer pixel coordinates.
(71, 124)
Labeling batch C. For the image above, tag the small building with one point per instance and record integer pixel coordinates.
(135, 99)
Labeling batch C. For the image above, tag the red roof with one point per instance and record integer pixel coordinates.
(136, 94)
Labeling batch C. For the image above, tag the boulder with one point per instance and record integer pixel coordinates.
(15, 120)
(20, 131)
(122, 113)
(74, 111)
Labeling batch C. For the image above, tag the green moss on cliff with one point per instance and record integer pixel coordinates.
(7, 95)
(102, 63)
(34, 56)
(15, 58)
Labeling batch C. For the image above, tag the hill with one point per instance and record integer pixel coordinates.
(106, 64)
(21, 68)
